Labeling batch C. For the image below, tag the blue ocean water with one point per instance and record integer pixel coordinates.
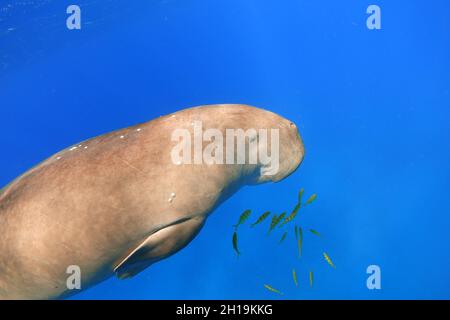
(373, 108)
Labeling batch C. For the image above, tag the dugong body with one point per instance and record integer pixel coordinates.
(117, 203)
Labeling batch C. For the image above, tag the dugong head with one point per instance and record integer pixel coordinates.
(284, 146)
(274, 148)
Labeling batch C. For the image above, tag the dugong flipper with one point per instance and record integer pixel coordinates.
(117, 203)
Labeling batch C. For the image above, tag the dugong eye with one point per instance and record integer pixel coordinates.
(292, 124)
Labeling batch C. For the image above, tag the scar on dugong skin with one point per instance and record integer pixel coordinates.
(117, 203)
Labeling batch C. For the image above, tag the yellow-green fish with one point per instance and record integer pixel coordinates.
(300, 195)
(314, 232)
(327, 258)
(280, 217)
(235, 243)
(272, 289)
(273, 223)
(311, 199)
(275, 220)
(292, 215)
(294, 276)
(261, 218)
(311, 278)
(244, 216)
(283, 237)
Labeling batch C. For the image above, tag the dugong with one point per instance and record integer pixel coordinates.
(117, 203)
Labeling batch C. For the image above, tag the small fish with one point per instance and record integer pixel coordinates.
(294, 276)
(300, 241)
(296, 233)
(292, 215)
(274, 222)
(311, 199)
(314, 232)
(283, 237)
(327, 258)
(280, 217)
(272, 289)
(235, 243)
(244, 216)
(261, 218)
(311, 278)
(300, 195)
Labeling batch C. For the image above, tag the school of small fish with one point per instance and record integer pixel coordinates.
(280, 220)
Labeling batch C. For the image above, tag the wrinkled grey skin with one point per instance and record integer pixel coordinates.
(105, 206)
